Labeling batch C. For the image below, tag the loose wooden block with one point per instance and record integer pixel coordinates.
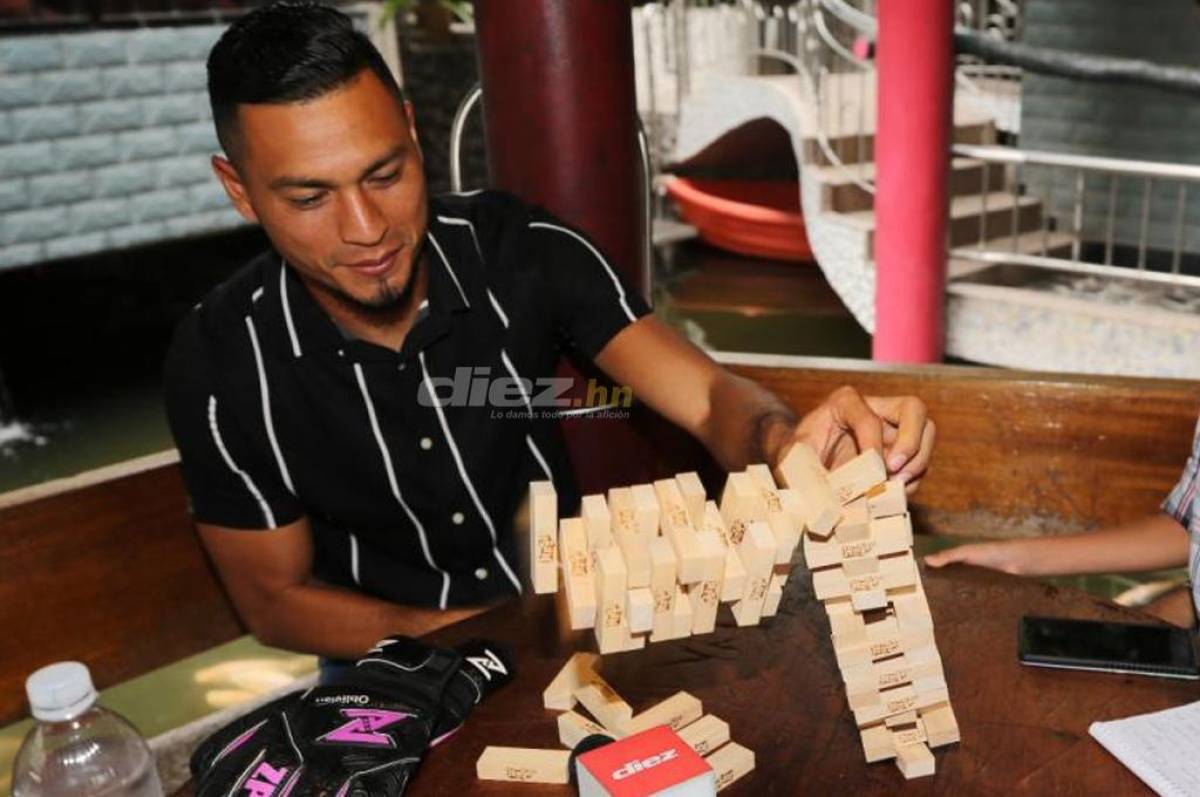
(860, 474)
(801, 470)
(611, 583)
(677, 527)
(604, 704)
(573, 728)
(941, 726)
(646, 509)
(782, 522)
(884, 537)
(887, 499)
(733, 575)
(757, 552)
(635, 548)
(730, 762)
(915, 761)
(675, 712)
(597, 521)
(694, 497)
(741, 500)
(705, 734)
(855, 525)
(681, 617)
(711, 554)
(543, 543)
(560, 693)
(640, 610)
(877, 743)
(663, 566)
(523, 765)
(578, 580)
(705, 598)
(774, 597)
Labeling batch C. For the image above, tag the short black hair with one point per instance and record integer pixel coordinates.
(285, 52)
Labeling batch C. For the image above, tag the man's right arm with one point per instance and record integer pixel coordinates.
(268, 575)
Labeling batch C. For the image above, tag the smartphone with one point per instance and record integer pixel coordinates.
(1161, 650)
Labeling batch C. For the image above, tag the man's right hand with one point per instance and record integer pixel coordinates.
(1008, 556)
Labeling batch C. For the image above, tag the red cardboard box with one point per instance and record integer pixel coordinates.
(652, 762)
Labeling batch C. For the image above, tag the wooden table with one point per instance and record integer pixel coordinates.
(1024, 729)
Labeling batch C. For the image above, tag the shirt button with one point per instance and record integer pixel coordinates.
(457, 518)
(481, 573)
(402, 365)
(426, 443)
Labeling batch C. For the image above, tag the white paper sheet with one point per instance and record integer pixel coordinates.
(1163, 748)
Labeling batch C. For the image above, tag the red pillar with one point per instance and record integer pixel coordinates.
(560, 119)
(915, 60)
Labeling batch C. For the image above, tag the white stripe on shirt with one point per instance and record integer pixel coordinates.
(266, 407)
(611, 274)
(449, 268)
(213, 427)
(287, 308)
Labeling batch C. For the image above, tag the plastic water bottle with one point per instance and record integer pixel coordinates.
(79, 749)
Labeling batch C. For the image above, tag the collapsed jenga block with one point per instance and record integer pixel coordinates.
(611, 583)
(573, 728)
(543, 533)
(677, 527)
(705, 734)
(663, 567)
(941, 726)
(757, 551)
(887, 499)
(560, 693)
(801, 470)
(597, 521)
(675, 712)
(914, 761)
(858, 475)
(578, 581)
(694, 496)
(604, 704)
(640, 610)
(730, 762)
(523, 765)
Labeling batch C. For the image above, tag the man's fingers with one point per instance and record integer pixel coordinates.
(855, 414)
(916, 467)
(909, 417)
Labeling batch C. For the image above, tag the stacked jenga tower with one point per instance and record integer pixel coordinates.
(858, 545)
(654, 561)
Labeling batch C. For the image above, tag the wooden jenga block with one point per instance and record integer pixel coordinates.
(663, 567)
(597, 521)
(860, 474)
(907, 718)
(887, 499)
(915, 761)
(705, 598)
(705, 734)
(675, 712)
(573, 728)
(896, 701)
(639, 608)
(730, 762)
(801, 470)
(711, 553)
(523, 765)
(543, 532)
(899, 571)
(578, 580)
(677, 527)
(906, 734)
(866, 583)
(733, 575)
(877, 676)
(782, 521)
(612, 627)
(560, 693)
(757, 551)
(914, 642)
(774, 596)
(604, 704)
(884, 537)
(694, 497)
(877, 743)
(635, 641)
(681, 615)
(635, 549)
(941, 726)
(855, 524)
(646, 509)
(911, 608)
(741, 500)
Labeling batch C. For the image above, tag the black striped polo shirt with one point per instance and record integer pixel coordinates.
(409, 465)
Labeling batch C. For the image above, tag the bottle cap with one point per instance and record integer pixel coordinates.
(60, 691)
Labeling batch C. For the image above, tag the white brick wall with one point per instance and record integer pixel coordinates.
(104, 142)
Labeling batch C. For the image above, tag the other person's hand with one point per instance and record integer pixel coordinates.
(1006, 556)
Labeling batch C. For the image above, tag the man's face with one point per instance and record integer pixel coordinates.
(338, 185)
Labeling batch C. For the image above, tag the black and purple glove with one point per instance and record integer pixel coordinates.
(362, 736)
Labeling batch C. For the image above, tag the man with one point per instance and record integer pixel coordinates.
(341, 495)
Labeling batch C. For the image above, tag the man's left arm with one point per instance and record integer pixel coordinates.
(741, 422)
